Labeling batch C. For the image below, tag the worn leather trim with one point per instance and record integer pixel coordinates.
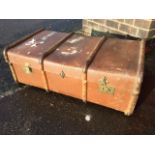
(88, 62)
(138, 80)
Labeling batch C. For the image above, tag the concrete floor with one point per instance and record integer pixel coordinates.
(29, 110)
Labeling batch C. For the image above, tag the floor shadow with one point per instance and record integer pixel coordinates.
(147, 86)
(149, 76)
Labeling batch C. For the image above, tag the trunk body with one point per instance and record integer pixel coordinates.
(105, 71)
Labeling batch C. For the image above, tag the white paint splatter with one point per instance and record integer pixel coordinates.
(31, 43)
(69, 53)
(41, 42)
(28, 52)
(88, 117)
(51, 105)
(119, 69)
(72, 41)
(34, 45)
(44, 38)
(11, 92)
(73, 47)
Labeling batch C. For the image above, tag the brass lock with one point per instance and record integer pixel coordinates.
(104, 86)
(27, 68)
(62, 74)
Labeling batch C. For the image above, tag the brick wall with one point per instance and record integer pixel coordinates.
(140, 28)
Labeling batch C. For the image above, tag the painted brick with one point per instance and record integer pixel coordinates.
(142, 23)
(100, 21)
(152, 26)
(128, 29)
(151, 34)
(120, 20)
(102, 28)
(112, 24)
(84, 22)
(142, 33)
(129, 21)
(141, 28)
(92, 24)
(116, 32)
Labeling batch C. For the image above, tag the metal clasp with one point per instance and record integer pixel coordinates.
(62, 74)
(104, 86)
(27, 68)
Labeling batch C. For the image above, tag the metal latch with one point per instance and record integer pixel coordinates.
(62, 74)
(27, 68)
(104, 86)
